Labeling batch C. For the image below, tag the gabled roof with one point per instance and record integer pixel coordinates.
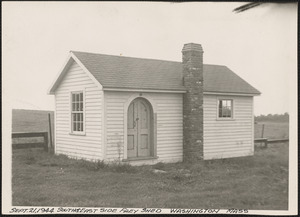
(137, 73)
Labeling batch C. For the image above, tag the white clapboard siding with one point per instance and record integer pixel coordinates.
(228, 138)
(169, 124)
(86, 146)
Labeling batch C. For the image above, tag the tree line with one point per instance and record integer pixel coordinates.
(273, 117)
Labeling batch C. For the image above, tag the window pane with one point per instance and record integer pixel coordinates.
(220, 108)
(81, 126)
(78, 126)
(226, 112)
(228, 103)
(74, 126)
(73, 97)
(223, 112)
(220, 104)
(80, 106)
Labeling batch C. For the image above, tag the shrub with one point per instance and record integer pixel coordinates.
(123, 168)
(100, 164)
(92, 166)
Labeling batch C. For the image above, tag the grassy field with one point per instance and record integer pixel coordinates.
(256, 182)
(31, 121)
(272, 130)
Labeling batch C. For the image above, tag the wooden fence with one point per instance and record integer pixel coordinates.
(43, 144)
(267, 141)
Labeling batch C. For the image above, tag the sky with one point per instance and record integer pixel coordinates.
(260, 45)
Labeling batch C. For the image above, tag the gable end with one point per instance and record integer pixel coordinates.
(71, 59)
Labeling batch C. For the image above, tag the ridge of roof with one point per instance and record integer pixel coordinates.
(137, 58)
(141, 58)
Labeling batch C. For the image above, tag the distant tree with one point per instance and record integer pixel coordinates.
(286, 116)
(273, 117)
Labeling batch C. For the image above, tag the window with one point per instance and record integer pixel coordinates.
(225, 108)
(77, 112)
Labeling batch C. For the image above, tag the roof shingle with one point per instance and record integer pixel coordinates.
(128, 72)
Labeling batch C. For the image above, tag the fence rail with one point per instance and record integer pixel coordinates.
(33, 144)
(267, 141)
(277, 140)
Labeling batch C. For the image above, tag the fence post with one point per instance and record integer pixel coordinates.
(262, 132)
(46, 141)
(50, 132)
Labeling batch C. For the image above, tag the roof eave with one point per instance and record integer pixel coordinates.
(60, 75)
(86, 70)
(231, 93)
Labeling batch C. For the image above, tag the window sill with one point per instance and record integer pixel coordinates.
(77, 134)
(225, 119)
(139, 158)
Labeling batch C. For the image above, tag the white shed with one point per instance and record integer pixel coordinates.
(145, 111)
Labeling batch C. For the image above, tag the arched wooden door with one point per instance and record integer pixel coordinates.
(139, 129)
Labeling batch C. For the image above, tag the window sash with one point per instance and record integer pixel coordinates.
(77, 101)
(77, 112)
(225, 107)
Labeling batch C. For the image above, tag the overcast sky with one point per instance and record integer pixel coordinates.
(259, 45)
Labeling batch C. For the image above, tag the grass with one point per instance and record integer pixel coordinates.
(272, 130)
(256, 182)
(31, 121)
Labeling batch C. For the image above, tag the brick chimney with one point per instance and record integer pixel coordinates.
(192, 62)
